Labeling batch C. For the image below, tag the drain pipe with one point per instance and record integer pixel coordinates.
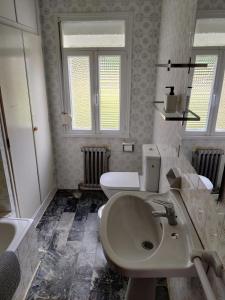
(213, 260)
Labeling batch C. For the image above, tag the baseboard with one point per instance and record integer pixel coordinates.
(40, 211)
(31, 280)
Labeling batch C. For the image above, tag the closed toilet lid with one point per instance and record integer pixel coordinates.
(120, 180)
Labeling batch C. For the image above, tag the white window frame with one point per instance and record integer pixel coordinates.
(215, 95)
(125, 53)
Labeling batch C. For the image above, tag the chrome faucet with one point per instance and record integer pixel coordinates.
(169, 213)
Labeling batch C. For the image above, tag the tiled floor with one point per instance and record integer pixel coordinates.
(72, 265)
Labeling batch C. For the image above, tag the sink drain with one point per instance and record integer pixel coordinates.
(147, 245)
(175, 235)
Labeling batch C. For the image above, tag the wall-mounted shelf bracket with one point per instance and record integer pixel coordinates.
(188, 65)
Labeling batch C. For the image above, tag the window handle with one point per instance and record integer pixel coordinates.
(66, 119)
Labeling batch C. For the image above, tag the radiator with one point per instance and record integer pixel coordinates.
(208, 162)
(96, 162)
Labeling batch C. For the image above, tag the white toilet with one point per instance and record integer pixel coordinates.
(114, 182)
(208, 184)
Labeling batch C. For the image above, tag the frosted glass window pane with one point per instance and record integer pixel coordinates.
(202, 86)
(220, 124)
(80, 92)
(109, 91)
(86, 34)
(209, 32)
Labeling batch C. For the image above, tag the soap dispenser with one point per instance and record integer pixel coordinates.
(170, 103)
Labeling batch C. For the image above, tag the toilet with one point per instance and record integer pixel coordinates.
(208, 184)
(114, 182)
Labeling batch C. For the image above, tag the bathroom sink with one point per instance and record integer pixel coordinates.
(132, 232)
(139, 245)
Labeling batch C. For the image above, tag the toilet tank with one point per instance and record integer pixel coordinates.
(151, 162)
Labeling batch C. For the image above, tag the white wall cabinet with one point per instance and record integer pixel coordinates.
(39, 109)
(7, 10)
(26, 13)
(22, 12)
(15, 98)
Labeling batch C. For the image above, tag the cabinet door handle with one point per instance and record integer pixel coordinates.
(35, 129)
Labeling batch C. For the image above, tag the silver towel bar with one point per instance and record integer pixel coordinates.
(212, 259)
(204, 279)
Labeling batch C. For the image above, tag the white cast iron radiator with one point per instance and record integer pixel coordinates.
(207, 162)
(96, 162)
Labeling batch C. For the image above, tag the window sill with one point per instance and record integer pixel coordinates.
(92, 135)
(220, 137)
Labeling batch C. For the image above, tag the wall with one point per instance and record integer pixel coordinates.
(211, 5)
(146, 15)
(177, 27)
(191, 144)
(178, 20)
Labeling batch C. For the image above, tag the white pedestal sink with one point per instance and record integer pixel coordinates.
(143, 247)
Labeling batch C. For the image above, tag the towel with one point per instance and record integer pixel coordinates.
(9, 275)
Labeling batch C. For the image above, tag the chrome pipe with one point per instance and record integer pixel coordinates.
(204, 279)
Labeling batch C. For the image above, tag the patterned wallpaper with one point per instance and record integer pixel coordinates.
(190, 144)
(211, 4)
(146, 14)
(177, 27)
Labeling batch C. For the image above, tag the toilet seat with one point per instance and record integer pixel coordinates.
(120, 181)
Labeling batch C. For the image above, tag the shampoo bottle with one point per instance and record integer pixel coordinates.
(170, 103)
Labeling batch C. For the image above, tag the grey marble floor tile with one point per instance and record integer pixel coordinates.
(75, 235)
(45, 234)
(100, 260)
(73, 265)
(54, 277)
(92, 222)
(61, 233)
(84, 266)
(79, 224)
(80, 290)
(53, 210)
(90, 241)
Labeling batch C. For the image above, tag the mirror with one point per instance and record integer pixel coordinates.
(203, 141)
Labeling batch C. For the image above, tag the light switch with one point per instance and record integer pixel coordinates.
(128, 147)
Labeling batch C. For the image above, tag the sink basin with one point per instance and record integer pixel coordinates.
(139, 245)
(132, 233)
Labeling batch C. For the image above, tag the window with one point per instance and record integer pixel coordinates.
(209, 32)
(208, 84)
(202, 91)
(96, 68)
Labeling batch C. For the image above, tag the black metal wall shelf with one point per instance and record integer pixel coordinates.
(188, 65)
(176, 116)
